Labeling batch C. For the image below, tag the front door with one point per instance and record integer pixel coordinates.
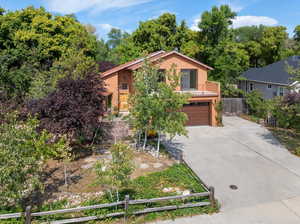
(124, 101)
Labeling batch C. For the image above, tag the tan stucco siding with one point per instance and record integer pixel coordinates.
(182, 63)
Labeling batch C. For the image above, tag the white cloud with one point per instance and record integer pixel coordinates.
(253, 21)
(235, 5)
(74, 6)
(195, 23)
(103, 29)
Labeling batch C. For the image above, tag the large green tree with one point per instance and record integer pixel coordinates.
(162, 33)
(31, 40)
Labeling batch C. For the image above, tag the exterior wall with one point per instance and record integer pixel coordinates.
(268, 93)
(212, 104)
(111, 83)
(182, 63)
(114, 81)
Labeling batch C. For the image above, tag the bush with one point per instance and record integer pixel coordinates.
(287, 111)
(257, 106)
(73, 109)
(22, 153)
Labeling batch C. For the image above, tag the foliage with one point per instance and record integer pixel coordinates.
(31, 40)
(219, 109)
(155, 105)
(73, 108)
(287, 111)
(161, 33)
(215, 24)
(256, 104)
(116, 174)
(22, 153)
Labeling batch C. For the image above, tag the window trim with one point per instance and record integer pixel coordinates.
(196, 79)
(123, 84)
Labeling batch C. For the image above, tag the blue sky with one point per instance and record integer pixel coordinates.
(126, 14)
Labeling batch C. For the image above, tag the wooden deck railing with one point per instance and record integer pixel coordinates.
(28, 215)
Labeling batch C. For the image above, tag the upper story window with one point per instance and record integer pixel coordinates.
(124, 86)
(269, 86)
(162, 75)
(188, 79)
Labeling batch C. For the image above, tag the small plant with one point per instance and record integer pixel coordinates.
(219, 109)
(115, 175)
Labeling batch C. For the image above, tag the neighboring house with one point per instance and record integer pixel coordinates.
(204, 94)
(272, 80)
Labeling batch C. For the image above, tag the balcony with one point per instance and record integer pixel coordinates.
(204, 90)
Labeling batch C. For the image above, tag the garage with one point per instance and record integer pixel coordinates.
(198, 113)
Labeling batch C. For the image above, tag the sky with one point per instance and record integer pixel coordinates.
(126, 14)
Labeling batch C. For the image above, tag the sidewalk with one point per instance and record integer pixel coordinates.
(278, 212)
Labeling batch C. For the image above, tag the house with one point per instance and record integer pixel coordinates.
(272, 80)
(204, 94)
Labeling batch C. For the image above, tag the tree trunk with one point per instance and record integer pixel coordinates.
(65, 174)
(158, 144)
(145, 140)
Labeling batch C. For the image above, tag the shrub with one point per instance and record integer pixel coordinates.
(22, 153)
(256, 104)
(73, 109)
(287, 111)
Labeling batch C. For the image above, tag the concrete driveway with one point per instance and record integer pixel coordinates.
(244, 154)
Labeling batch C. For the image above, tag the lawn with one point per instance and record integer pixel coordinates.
(289, 138)
(175, 180)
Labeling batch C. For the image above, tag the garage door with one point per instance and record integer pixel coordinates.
(198, 113)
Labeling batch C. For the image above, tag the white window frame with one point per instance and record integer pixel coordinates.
(269, 86)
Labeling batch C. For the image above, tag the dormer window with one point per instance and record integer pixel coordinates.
(188, 79)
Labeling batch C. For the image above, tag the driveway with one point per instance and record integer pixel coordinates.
(244, 154)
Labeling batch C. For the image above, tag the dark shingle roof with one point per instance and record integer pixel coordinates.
(274, 73)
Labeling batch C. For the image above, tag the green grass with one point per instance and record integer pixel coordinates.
(149, 186)
(289, 138)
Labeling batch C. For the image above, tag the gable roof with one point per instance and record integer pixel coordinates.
(152, 57)
(274, 73)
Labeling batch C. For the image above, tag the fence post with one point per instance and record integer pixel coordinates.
(28, 215)
(212, 196)
(126, 206)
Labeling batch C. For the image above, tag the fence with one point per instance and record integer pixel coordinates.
(234, 106)
(28, 215)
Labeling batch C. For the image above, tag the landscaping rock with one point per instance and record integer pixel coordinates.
(168, 189)
(186, 192)
(157, 165)
(87, 166)
(144, 166)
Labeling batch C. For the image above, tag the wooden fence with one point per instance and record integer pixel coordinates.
(28, 215)
(234, 106)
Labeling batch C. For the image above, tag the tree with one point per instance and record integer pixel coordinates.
(214, 25)
(272, 43)
(162, 33)
(297, 33)
(116, 174)
(31, 40)
(73, 108)
(155, 105)
(23, 152)
(115, 37)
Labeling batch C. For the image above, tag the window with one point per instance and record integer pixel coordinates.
(188, 79)
(281, 91)
(124, 86)
(269, 86)
(162, 75)
(251, 87)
